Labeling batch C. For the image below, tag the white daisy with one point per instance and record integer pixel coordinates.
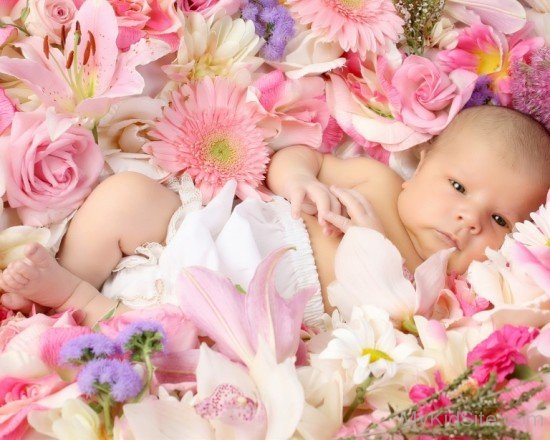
(369, 345)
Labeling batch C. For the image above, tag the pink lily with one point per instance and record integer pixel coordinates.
(237, 321)
(507, 16)
(535, 261)
(88, 73)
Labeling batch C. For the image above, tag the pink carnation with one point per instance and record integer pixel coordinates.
(500, 352)
(210, 131)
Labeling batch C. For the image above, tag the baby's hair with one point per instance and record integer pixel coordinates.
(517, 138)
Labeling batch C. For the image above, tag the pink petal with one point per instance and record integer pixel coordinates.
(216, 308)
(7, 34)
(127, 37)
(98, 18)
(430, 280)
(7, 111)
(275, 319)
(507, 16)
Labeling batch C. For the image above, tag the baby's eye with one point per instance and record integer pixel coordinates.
(458, 186)
(499, 220)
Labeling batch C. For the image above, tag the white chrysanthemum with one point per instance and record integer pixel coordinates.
(218, 46)
(537, 232)
(369, 345)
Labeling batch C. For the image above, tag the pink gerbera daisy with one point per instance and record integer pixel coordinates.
(357, 25)
(210, 131)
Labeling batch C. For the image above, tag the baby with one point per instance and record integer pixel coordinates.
(486, 171)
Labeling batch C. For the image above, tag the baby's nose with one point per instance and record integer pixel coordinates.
(471, 219)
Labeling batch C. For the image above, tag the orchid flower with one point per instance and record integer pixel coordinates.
(236, 322)
(87, 73)
(507, 16)
(369, 270)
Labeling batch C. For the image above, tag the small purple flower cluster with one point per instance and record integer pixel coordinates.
(482, 93)
(530, 84)
(273, 23)
(85, 348)
(110, 376)
(141, 338)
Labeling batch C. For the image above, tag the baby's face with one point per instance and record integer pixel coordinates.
(465, 197)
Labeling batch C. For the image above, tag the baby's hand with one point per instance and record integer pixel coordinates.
(358, 209)
(307, 194)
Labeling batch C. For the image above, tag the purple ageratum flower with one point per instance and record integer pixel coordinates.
(87, 347)
(272, 22)
(482, 93)
(114, 377)
(142, 338)
(529, 84)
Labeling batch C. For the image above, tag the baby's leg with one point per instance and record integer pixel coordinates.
(123, 212)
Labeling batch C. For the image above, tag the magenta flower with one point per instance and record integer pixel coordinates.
(210, 131)
(500, 352)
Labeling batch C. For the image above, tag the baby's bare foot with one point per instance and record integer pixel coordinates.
(39, 278)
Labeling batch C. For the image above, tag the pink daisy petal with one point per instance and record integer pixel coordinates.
(357, 25)
(210, 131)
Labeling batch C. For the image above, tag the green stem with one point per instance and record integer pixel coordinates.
(21, 28)
(360, 393)
(95, 133)
(148, 375)
(106, 406)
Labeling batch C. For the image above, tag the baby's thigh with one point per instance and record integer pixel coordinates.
(123, 212)
(324, 250)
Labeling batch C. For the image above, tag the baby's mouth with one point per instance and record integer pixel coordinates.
(448, 239)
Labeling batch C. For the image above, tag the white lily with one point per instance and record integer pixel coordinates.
(369, 270)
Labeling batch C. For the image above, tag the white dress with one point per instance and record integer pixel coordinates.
(230, 241)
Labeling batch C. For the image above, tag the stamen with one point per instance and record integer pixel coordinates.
(87, 52)
(70, 59)
(63, 36)
(46, 47)
(92, 41)
(77, 27)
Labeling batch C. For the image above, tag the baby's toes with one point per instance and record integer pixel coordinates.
(12, 282)
(37, 255)
(16, 302)
(26, 270)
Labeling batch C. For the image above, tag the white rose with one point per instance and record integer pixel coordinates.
(308, 54)
(13, 241)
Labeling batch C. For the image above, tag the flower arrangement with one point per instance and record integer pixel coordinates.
(89, 88)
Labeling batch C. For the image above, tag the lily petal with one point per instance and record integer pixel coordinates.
(507, 16)
(216, 308)
(271, 317)
(369, 270)
(430, 280)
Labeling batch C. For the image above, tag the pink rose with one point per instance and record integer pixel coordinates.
(47, 17)
(500, 352)
(424, 97)
(47, 179)
(209, 7)
(19, 396)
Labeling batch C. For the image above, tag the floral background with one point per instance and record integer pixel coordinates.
(211, 88)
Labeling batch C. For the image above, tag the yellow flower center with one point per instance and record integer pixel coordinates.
(489, 62)
(548, 242)
(352, 4)
(375, 354)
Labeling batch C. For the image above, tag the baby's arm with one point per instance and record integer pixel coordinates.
(300, 173)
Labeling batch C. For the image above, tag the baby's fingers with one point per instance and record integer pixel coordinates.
(296, 200)
(356, 205)
(338, 221)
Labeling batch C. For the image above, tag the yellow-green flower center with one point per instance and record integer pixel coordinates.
(375, 354)
(548, 242)
(221, 151)
(352, 4)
